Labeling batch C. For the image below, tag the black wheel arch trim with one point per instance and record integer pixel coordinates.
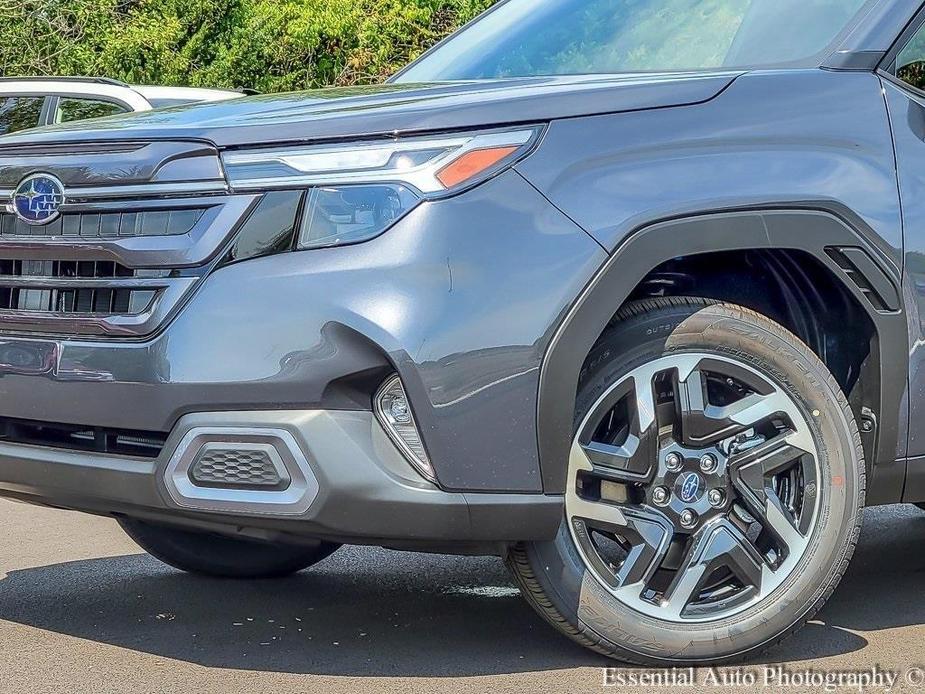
(811, 227)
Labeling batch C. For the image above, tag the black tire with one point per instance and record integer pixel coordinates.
(221, 556)
(555, 579)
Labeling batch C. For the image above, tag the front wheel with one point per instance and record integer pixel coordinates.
(714, 490)
(225, 557)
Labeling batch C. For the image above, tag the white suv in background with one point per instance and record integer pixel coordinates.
(32, 102)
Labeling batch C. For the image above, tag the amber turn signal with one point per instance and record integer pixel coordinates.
(471, 164)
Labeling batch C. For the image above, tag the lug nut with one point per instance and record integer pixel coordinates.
(688, 518)
(660, 495)
(717, 498)
(708, 463)
(673, 461)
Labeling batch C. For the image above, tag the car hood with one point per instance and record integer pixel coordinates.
(390, 109)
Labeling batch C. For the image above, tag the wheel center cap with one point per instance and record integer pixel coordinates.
(690, 487)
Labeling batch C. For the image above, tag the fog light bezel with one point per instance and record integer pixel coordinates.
(294, 500)
(421, 463)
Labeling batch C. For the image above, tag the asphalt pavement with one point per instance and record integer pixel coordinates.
(82, 610)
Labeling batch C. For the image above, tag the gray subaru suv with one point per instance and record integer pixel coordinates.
(629, 293)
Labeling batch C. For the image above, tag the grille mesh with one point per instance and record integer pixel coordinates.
(102, 225)
(238, 468)
(97, 301)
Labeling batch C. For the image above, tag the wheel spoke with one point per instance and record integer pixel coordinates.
(633, 459)
(717, 546)
(752, 474)
(599, 513)
(752, 469)
(628, 462)
(650, 535)
(703, 424)
(647, 532)
(779, 522)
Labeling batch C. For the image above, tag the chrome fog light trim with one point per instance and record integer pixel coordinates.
(393, 410)
(278, 444)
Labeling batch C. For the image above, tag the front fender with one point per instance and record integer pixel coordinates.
(814, 231)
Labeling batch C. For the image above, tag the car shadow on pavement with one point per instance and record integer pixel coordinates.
(372, 612)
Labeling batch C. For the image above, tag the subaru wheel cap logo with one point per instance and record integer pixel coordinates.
(690, 487)
(38, 199)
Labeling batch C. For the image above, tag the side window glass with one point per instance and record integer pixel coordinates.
(910, 63)
(71, 109)
(19, 113)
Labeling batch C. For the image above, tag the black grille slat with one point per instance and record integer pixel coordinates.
(83, 303)
(100, 302)
(55, 269)
(70, 226)
(67, 300)
(128, 224)
(73, 299)
(89, 226)
(107, 225)
(121, 301)
(145, 444)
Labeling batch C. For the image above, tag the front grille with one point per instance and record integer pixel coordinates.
(107, 225)
(111, 266)
(71, 288)
(140, 225)
(144, 444)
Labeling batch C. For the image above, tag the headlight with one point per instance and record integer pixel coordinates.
(338, 215)
(430, 165)
(357, 191)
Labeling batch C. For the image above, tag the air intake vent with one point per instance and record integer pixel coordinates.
(143, 444)
(866, 276)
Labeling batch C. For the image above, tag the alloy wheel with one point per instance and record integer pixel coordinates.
(693, 487)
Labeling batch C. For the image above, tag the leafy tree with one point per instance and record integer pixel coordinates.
(268, 45)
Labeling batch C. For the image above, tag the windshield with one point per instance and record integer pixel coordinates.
(527, 38)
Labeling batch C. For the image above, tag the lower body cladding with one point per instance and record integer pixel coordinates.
(280, 476)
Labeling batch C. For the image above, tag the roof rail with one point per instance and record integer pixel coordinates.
(93, 80)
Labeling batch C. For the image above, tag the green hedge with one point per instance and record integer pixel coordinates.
(261, 44)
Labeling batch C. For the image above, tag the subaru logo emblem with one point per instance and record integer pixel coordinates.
(690, 487)
(38, 199)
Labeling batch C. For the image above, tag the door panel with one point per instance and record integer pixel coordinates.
(904, 91)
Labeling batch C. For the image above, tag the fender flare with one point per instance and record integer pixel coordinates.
(804, 227)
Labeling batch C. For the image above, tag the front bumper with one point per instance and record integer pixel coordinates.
(460, 298)
(365, 491)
